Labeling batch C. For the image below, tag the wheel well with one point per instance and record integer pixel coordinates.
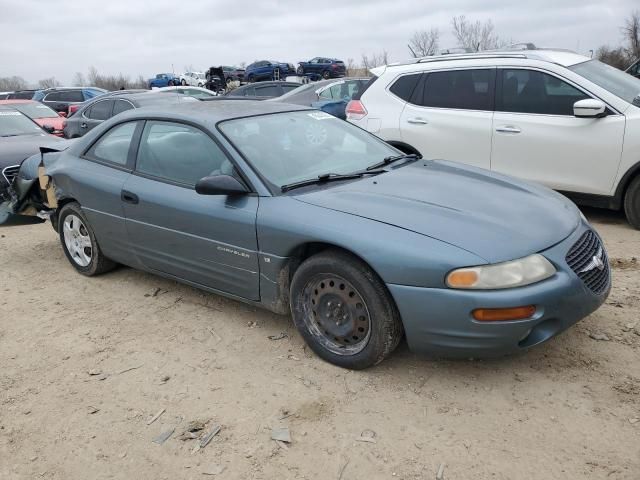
(61, 204)
(403, 147)
(623, 186)
(307, 250)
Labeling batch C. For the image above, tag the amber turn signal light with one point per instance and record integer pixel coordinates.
(503, 314)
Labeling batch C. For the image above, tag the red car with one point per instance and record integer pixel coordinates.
(44, 116)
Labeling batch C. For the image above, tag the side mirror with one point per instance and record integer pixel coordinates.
(48, 128)
(62, 114)
(589, 108)
(220, 185)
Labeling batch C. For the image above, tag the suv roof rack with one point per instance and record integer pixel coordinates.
(462, 56)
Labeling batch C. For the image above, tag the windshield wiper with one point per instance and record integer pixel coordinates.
(388, 160)
(328, 177)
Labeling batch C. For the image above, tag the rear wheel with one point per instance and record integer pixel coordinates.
(184, 82)
(300, 71)
(632, 203)
(343, 310)
(326, 74)
(79, 242)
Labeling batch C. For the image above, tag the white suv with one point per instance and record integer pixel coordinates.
(551, 116)
(194, 79)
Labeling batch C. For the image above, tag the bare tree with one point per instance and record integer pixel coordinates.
(424, 42)
(48, 83)
(616, 57)
(8, 84)
(78, 80)
(475, 36)
(375, 60)
(631, 32)
(92, 76)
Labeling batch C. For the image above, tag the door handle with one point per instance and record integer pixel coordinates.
(83, 125)
(129, 197)
(508, 129)
(417, 121)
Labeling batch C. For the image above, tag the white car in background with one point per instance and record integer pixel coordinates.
(550, 116)
(196, 92)
(194, 79)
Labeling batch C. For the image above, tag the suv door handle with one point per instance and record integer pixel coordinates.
(508, 129)
(129, 197)
(417, 121)
(83, 125)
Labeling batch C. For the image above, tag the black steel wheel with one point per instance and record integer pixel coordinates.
(336, 314)
(344, 311)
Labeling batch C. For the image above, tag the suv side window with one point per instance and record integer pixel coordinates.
(71, 96)
(403, 87)
(178, 153)
(53, 97)
(460, 89)
(100, 110)
(114, 145)
(530, 91)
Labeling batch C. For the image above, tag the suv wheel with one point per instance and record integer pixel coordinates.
(326, 74)
(343, 311)
(632, 203)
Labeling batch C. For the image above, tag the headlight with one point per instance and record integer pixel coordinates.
(516, 273)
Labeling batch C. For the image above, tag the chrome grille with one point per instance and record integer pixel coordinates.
(588, 259)
(10, 172)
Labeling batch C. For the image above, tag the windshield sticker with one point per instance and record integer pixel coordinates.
(13, 114)
(320, 115)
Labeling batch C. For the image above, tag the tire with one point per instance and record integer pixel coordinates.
(632, 203)
(326, 74)
(251, 79)
(74, 229)
(343, 310)
(300, 71)
(183, 82)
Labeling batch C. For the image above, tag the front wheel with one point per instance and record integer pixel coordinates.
(79, 242)
(632, 203)
(326, 74)
(183, 82)
(343, 310)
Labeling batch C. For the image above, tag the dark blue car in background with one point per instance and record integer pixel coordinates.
(164, 80)
(267, 70)
(322, 67)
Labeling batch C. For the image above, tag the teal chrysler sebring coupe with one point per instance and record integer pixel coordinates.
(293, 210)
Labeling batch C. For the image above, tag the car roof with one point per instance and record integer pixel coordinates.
(211, 111)
(565, 58)
(16, 100)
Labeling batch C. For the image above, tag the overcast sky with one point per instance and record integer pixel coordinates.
(43, 39)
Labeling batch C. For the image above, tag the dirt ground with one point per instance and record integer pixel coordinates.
(85, 364)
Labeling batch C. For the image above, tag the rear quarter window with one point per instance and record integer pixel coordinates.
(404, 86)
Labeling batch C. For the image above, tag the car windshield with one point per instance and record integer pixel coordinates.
(615, 81)
(14, 123)
(35, 110)
(288, 147)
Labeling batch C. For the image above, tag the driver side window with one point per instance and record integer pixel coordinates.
(178, 153)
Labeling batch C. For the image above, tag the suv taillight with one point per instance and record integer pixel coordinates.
(355, 110)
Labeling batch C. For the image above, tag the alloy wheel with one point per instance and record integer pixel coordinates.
(77, 240)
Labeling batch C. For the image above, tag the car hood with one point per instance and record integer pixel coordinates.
(493, 216)
(13, 150)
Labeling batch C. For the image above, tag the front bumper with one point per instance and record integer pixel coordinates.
(438, 321)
